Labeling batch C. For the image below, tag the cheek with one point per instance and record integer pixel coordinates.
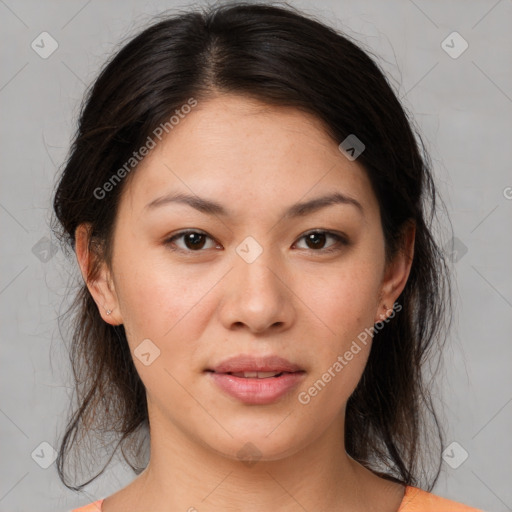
(345, 303)
(345, 298)
(169, 309)
(158, 300)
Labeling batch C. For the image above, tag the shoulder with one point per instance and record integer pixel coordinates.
(414, 500)
(418, 500)
(92, 507)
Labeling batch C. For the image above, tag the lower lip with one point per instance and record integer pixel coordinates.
(257, 391)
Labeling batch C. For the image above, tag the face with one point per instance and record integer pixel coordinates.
(255, 277)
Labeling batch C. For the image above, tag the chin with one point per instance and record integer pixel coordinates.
(260, 444)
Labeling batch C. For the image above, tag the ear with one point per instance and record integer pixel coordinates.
(396, 273)
(99, 283)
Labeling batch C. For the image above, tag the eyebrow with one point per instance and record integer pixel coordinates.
(213, 208)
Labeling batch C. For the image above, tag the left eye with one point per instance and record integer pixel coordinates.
(317, 239)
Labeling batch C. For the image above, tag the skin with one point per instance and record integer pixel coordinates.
(294, 300)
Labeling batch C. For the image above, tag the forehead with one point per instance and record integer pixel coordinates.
(247, 152)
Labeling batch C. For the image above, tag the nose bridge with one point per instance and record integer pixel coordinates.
(260, 275)
(254, 259)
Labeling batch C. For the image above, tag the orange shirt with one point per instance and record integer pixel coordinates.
(418, 500)
(415, 500)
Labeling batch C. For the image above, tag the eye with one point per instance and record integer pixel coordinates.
(193, 241)
(316, 240)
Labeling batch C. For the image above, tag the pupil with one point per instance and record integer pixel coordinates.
(194, 239)
(316, 244)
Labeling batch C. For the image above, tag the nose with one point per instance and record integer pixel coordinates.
(257, 297)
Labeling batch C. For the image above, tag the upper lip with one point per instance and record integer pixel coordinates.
(250, 363)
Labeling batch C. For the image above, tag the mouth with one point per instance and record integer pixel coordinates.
(256, 381)
(253, 375)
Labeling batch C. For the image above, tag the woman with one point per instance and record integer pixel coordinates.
(251, 214)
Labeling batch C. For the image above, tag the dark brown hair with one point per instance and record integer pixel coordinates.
(280, 56)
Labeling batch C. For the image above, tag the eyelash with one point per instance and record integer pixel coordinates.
(340, 240)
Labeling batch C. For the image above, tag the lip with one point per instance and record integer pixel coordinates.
(248, 363)
(256, 391)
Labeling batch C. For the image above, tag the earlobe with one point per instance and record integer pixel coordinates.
(96, 276)
(396, 273)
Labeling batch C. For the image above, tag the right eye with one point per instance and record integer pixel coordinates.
(193, 240)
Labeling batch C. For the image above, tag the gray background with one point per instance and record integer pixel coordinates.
(463, 108)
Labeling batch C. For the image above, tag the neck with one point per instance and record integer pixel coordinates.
(185, 475)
